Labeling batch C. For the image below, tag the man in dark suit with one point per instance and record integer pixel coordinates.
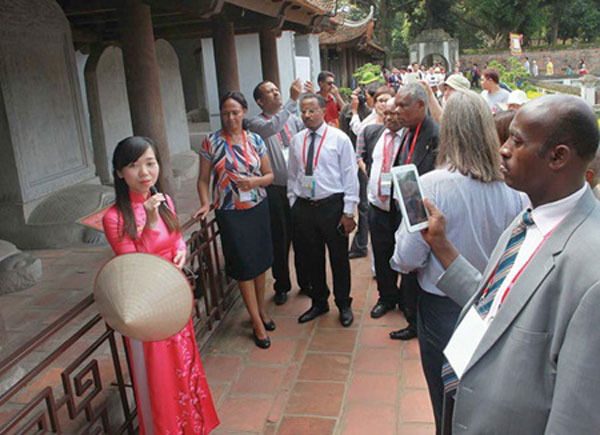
(419, 147)
(526, 361)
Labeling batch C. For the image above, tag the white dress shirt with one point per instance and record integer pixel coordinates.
(373, 185)
(545, 219)
(334, 170)
(476, 215)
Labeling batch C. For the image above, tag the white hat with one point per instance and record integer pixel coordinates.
(143, 296)
(517, 97)
(457, 82)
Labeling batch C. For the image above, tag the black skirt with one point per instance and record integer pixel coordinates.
(246, 240)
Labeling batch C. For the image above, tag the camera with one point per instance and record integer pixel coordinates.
(362, 98)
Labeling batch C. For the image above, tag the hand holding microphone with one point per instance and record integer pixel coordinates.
(151, 205)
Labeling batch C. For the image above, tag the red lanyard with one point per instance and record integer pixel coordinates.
(509, 287)
(244, 149)
(318, 149)
(414, 142)
(287, 132)
(384, 165)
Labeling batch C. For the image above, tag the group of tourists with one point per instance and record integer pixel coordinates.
(500, 289)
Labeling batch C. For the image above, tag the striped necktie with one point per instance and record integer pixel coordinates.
(486, 300)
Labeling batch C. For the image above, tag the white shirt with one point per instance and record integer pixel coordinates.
(545, 219)
(476, 213)
(334, 170)
(373, 185)
(356, 125)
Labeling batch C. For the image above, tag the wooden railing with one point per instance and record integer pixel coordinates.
(73, 376)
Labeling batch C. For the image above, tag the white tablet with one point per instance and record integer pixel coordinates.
(409, 195)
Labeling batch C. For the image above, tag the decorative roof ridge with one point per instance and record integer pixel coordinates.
(364, 21)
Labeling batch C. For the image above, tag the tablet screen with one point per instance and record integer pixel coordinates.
(411, 196)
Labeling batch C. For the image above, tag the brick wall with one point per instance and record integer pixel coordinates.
(560, 59)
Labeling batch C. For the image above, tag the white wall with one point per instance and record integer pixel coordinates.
(287, 66)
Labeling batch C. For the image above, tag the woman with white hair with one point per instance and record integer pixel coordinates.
(468, 187)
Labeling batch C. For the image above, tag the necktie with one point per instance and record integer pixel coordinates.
(486, 300)
(310, 155)
(284, 138)
(406, 147)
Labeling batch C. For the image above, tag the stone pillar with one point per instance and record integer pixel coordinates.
(226, 57)
(268, 56)
(142, 77)
(588, 89)
(344, 68)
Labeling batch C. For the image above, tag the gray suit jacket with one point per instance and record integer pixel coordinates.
(536, 370)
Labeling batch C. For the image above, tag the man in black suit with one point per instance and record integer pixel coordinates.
(419, 147)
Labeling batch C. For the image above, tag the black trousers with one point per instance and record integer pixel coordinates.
(361, 237)
(316, 224)
(282, 237)
(437, 316)
(383, 225)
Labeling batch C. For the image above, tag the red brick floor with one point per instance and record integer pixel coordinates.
(319, 378)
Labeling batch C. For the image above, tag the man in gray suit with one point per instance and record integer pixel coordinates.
(530, 364)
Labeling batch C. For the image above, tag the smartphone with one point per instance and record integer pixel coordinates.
(408, 193)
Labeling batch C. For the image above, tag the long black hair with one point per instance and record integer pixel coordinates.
(127, 151)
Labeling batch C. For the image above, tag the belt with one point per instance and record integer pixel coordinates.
(323, 201)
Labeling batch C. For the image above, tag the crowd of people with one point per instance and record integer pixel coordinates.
(500, 289)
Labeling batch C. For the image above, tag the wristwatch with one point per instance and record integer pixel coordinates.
(349, 215)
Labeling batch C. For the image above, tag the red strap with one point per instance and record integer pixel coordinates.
(318, 149)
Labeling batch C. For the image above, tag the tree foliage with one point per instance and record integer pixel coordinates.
(481, 23)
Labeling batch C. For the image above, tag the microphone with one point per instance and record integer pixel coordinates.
(154, 191)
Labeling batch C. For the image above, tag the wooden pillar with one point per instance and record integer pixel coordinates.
(226, 57)
(268, 56)
(325, 59)
(141, 76)
(344, 68)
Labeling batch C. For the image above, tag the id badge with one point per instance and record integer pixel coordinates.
(386, 184)
(308, 185)
(247, 196)
(464, 341)
(286, 154)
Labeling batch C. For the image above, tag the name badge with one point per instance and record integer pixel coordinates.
(286, 153)
(386, 184)
(464, 341)
(248, 196)
(308, 185)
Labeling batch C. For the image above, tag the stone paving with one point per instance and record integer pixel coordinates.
(317, 378)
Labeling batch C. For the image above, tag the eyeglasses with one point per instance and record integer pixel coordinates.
(329, 83)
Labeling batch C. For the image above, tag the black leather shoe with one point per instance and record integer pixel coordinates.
(407, 333)
(264, 343)
(346, 316)
(280, 298)
(357, 254)
(270, 325)
(313, 313)
(380, 309)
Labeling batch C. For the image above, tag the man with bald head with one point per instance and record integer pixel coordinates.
(523, 358)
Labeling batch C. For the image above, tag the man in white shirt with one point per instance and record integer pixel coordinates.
(323, 193)
(525, 351)
(492, 93)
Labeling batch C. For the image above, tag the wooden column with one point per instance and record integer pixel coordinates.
(268, 56)
(344, 67)
(226, 57)
(141, 76)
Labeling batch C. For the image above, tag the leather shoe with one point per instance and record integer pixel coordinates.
(346, 316)
(313, 313)
(263, 343)
(280, 298)
(270, 325)
(407, 333)
(356, 254)
(380, 309)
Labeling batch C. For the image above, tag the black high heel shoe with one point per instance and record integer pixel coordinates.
(263, 343)
(270, 325)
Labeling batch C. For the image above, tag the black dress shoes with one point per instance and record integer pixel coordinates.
(280, 298)
(407, 333)
(380, 309)
(346, 316)
(263, 343)
(313, 313)
(270, 325)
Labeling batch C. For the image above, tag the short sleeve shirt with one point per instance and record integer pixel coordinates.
(332, 111)
(229, 162)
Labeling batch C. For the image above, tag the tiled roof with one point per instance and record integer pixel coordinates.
(322, 5)
(347, 31)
